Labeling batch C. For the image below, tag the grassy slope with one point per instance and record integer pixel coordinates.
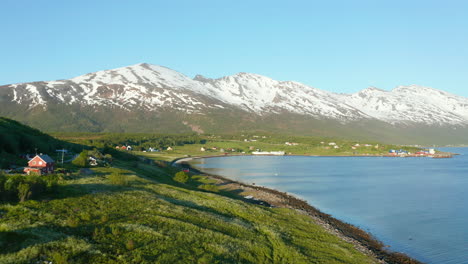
(155, 220)
(16, 138)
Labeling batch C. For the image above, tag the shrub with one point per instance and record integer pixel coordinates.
(85, 216)
(130, 245)
(181, 177)
(104, 218)
(99, 232)
(37, 184)
(51, 181)
(59, 258)
(20, 187)
(24, 191)
(81, 160)
(11, 187)
(72, 221)
(118, 179)
(115, 230)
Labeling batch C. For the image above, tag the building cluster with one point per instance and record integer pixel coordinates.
(203, 149)
(422, 153)
(128, 148)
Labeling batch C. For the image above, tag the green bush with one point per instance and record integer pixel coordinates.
(181, 177)
(118, 179)
(59, 258)
(51, 181)
(104, 218)
(72, 221)
(130, 245)
(24, 191)
(21, 187)
(81, 160)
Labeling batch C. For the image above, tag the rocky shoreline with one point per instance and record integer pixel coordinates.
(362, 241)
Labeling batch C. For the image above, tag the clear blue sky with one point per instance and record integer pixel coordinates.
(340, 46)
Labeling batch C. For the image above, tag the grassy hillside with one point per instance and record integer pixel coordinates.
(135, 211)
(16, 139)
(149, 218)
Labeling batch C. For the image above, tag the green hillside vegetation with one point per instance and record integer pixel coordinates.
(130, 209)
(16, 139)
(139, 141)
(137, 213)
(78, 118)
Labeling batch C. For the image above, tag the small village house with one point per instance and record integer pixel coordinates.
(93, 161)
(40, 164)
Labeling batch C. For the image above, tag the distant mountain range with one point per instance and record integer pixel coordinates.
(150, 98)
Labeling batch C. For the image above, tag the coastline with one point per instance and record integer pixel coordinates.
(360, 239)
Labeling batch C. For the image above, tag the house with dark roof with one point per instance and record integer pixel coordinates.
(40, 164)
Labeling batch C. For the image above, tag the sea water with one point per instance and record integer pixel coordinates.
(418, 206)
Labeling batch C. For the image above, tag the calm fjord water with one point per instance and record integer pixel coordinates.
(416, 205)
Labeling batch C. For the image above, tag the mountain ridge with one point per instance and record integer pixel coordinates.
(152, 91)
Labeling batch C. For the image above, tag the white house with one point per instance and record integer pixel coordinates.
(92, 161)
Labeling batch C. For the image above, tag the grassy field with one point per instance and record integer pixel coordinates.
(240, 147)
(133, 212)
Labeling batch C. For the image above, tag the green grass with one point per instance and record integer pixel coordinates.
(152, 219)
(313, 147)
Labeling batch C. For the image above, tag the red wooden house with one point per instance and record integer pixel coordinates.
(40, 164)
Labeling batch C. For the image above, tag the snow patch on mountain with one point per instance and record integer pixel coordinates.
(151, 87)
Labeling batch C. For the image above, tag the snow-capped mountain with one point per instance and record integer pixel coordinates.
(147, 98)
(150, 87)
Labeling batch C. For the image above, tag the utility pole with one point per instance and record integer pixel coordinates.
(63, 153)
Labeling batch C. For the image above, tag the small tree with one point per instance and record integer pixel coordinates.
(181, 177)
(81, 160)
(24, 191)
